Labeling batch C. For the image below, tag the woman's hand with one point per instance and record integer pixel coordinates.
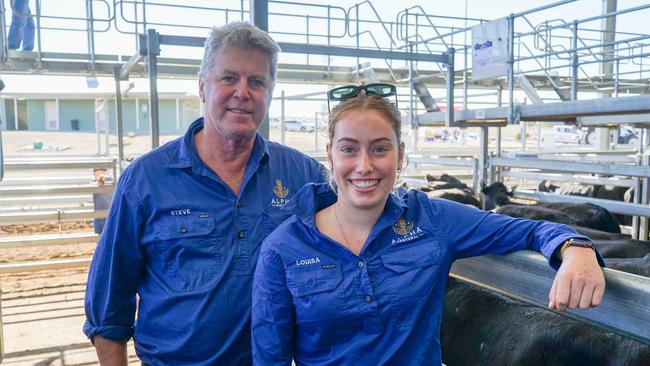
(579, 282)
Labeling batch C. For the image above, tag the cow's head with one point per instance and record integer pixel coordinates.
(495, 195)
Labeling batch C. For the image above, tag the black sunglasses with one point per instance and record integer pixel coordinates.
(350, 91)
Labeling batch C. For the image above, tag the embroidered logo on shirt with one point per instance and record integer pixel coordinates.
(307, 261)
(406, 231)
(183, 212)
(281, 193)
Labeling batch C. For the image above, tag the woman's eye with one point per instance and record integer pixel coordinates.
(381, 150)
(347, 150)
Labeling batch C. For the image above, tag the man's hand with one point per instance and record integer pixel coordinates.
(579, 282)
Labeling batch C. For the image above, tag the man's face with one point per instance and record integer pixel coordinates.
(237, 92)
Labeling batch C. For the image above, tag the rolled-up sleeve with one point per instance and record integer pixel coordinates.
(272, 312)
(116, 269)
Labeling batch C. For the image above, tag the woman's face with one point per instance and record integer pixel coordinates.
(364, 155)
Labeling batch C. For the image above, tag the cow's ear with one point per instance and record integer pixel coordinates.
(512, 191)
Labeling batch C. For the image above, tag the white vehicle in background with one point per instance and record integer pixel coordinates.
(564, 134)
(298, 125)
(626, 135)
(274, 122)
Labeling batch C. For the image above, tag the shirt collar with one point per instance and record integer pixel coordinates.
(313, 197)
(187, 155)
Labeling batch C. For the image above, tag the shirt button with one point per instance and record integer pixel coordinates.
(367, 298)
(360, 264)
(241, 234)
(238, 204)
(183, 230)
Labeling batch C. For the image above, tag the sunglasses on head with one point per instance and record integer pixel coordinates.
(350, 91)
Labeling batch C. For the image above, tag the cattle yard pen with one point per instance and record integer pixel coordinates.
(583, 69)
(540, 168)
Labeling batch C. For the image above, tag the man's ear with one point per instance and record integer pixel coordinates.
(201, 85)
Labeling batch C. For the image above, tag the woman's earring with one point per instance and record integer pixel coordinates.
(397, 175)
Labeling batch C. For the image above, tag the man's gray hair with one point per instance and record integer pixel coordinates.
(242, 35)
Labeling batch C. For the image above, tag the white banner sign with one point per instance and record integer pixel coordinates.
(490, 49)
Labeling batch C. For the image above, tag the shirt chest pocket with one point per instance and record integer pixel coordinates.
(316, 293)
(190, 251)
(413, 269)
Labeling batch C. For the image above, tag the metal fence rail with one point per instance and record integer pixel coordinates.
(52, 216)
(571, 166)
(526, 276)
(44, 265)
(27, 241)
(22, 191)
(459, 161)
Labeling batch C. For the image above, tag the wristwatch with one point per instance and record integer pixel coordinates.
(573, 242)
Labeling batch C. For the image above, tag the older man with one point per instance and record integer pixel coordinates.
(187, 220)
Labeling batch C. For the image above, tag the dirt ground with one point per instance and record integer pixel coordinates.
(42, 311)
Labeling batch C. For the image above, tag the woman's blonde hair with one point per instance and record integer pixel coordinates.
(367, 102)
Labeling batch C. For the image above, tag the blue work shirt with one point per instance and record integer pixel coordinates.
(319, 303)
(178, 237)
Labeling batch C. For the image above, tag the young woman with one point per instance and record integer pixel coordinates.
(358, 274)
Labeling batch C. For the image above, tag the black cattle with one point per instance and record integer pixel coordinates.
(587, 214)
(623, 194)
(465, 196)
(495, 195)
(575, 214)
(597, 234)
(450, 188)
(623, 248)
(482, 328)
(638, 266)
(445, 181)
(536, 213)
(615, 193)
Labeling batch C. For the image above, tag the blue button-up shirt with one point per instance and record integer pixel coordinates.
(179, 238)
(319, 303)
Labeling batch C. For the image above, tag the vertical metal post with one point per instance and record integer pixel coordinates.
(356, 21)
(282, 126)
(608, 28)
(259, 16)
(3, 36)
(90, 32)
(153, 50)
(137, 115)
(106, 126)
(637, 187)
(412, 121)
(307, 30)
(496, 176)
(119, 122)
(98, 129)
(315, 131)
(498, 136)
(644, 194)
(2, 346)
(511, 66)
(329, 41)
(450, 87)
(482, 163)
(574, 61)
